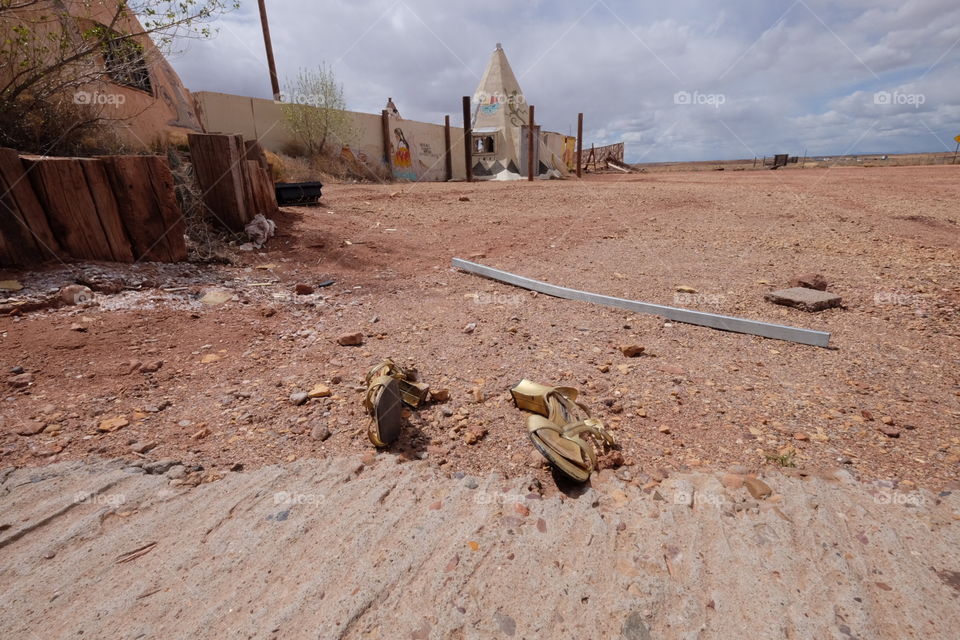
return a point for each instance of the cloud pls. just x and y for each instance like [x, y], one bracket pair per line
[792, 74]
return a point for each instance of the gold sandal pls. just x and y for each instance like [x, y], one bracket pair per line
[388, 388]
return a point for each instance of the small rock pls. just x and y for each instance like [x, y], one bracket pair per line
[610, 460]
[320, 391]
[142, 447]
[758, 488]
[112, 424]
[470, 328]
[21, 381]
[476, 395]
[521, 509]
[302, 289]
[804, 299]
[890, 432]
[886, 420]
[320, 432]
[298, 398]
[802, 437]
[664, 429]
[17, 370]
[439, 395]
[176, 472]
[75, 294]
[475, 435]
[809, 281]
[76, 326]
[350, 340]
[151, 367]
[30, 428]
[632, 350]
[470, 482]
[732, 481]
[604, 368]
[464, 198]
[684, 289]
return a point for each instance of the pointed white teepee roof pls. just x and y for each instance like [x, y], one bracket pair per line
[499, 103]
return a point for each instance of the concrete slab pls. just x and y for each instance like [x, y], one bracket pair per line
[804, 299]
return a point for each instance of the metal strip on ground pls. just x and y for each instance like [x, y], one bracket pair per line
[701, 318]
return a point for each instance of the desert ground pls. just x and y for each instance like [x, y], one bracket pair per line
[193, 370]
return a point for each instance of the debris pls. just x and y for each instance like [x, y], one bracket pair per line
[439, 395]
[76, 326]
[470, 328]
[804, 299]
[350, 339]
[10, 285]
[215, 297]
[701, 318]
[112, 424]
[685, 289]
[631, 351]
[75, 294]
[809, 281]
[320, 391]
[464, 198]
[758, 488]
[303, 289]
[299, 398]
[260, 229]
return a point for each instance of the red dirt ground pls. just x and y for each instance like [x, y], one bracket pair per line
[887, 240]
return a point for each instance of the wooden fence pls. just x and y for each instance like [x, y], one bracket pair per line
[123, 208]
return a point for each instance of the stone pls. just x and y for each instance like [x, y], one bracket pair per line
[350, 340]
[809, 281]
[758, 488]
[475, 435]
[17, 370]
[890, 432]
[632, 350]
[470, 328]
[464, 198]
[142, 447]
[30, 428]
[176, 472]
[151, 367]
[76, 326]
[320, 391]
[215, 297]
[685, 289]
[320, 432]
[159, 467]
[802, 437]
[299, 398]
[886, 420]
[10, 285]
[664, 429]
[75, 294]
[302, 289]
[634, 627]
[20, 381]
[732, 481]
[804, 299]
[439, 395]
[112, 424]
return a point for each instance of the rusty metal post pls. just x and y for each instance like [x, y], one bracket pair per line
[385, 130]
[467, 139]
[274, 80]
[530, 135]
[448, 159]
[580, 145]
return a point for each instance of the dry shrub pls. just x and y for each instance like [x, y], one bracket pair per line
[205, 241]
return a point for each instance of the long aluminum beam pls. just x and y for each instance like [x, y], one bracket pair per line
[703, 319]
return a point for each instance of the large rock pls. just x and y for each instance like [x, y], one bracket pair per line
[804, 299]
[809, 281]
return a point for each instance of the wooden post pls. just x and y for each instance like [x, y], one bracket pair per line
[579, 145]
[385, 132]
[467, 138]
[955, 152]
[25, 234]
[271, 63]
[531, 130]
[448, 159]
[221, 171]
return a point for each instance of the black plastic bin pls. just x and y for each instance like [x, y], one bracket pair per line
[298, 193]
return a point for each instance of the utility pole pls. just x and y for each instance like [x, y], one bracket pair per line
[532, 131]
[467, 139]
[579, 145]
[274, 81]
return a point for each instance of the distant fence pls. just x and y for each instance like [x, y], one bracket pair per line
[598, 156]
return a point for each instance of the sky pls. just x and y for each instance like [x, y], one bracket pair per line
[676, 81]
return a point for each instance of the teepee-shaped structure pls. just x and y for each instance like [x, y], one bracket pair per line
[500, 117]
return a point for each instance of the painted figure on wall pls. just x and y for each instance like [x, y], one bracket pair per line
[402, 158]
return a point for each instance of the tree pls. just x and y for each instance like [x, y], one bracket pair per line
[314, 109]
[52, 49]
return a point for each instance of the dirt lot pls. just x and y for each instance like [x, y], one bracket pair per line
[883, 402]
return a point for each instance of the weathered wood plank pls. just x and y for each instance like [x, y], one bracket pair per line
[61, 187]
[25, 234]
[98, 181]
[724, 323]
[220, 168]
[143, 187]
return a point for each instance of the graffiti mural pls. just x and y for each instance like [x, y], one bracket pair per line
[402, 157]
